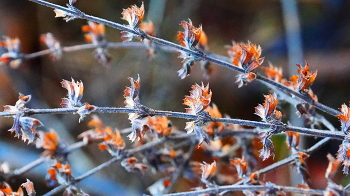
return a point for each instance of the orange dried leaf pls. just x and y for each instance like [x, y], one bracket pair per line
[208, 170]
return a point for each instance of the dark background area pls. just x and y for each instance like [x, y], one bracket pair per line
[325, 30]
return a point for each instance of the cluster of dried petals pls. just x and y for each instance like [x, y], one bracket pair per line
[132, 101]
[75, 94]
[344, 118]
[12, 57]
[268, 111]
[268, 148]
[23, 126]
[208, 170]
[333, 166]
[189, 39]
[29, 186]
[60, 173]
[112, 142]
[198, 101]
[247, 57]
[133, 15]
[48, 141]
[306, 78]
[241, 166]
[161, 124]
[273, 73]
[148, 28]
[131, 165]
[53, 45]
[95, 33]
[5, 189]
[292, 140]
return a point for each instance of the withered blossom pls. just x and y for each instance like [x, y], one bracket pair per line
[197, 102]
[189, 39]
[53, 45]
[23, 126]
[131, 165]
[247, 57]
[12, 57]
[132, 101]
[133, 15]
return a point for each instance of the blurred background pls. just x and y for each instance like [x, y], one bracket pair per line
[318, 31]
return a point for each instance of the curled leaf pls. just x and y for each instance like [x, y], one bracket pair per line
[268, 148]
[305, 78]
[292, 139]
[85, 110]
[60, 172]
[273, 73]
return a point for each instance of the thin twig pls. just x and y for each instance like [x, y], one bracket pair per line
[219, 189]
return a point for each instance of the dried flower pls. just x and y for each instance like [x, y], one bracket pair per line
[160, 124]
[333, 166]
[131, 165]
[305, 78]
[268, 111]
[247, 57]
[198, 101]
[344, 118]
[23, 126]
[208, 171]
[133, 16]
[75, 93]
[53, 45]
[273, 73]
[60, 173]
[132, 101]
[241, 166]
[292, 139]
[29, 186]
[189, 39]
[12, 57]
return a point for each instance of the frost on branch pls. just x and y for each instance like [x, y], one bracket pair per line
[133, 15]
[247, 57]
[269, 114]
[197, 102]
[95, 33]
[53, 45]
[189, 39]
[12, 57]
[132, 101]
[23, 126]
[67, 16]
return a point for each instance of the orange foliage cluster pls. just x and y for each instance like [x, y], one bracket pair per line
[199, 99]
[247, 57]
[12, 56]
[111, 141]
[160, 124]
[268, 111]
[94, 32]
[133, 16]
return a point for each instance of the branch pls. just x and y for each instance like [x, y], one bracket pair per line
[194, 53]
